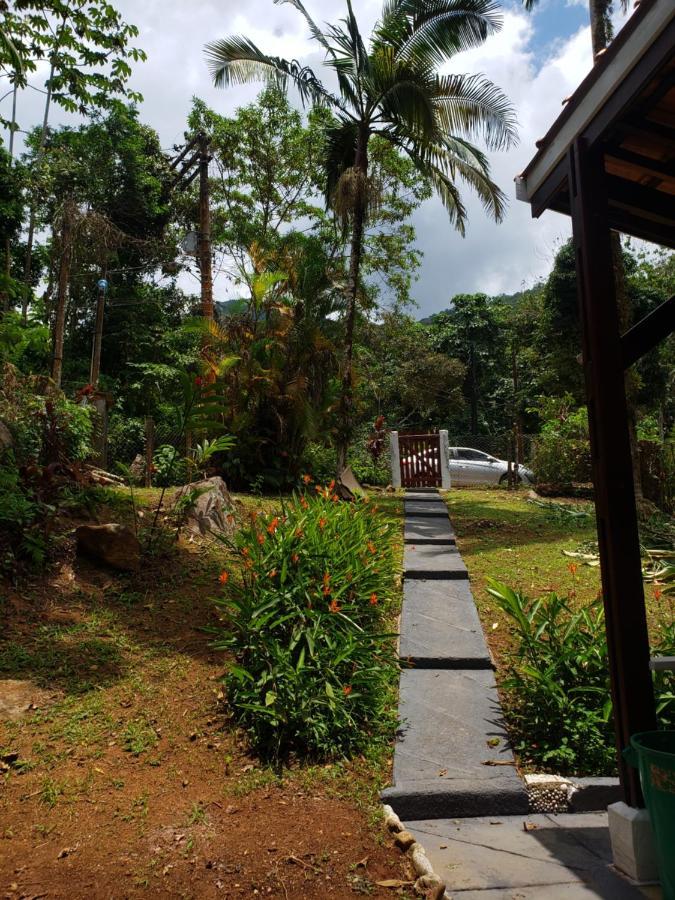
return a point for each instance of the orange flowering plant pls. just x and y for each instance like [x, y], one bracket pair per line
[313, 656]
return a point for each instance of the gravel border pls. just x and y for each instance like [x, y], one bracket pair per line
[427, 882]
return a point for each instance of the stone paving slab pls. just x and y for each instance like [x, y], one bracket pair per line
[448, 718]
[435, 508]
[565, 856]
[428, 561]
[423, 496]
[440, 628]
[428, 530]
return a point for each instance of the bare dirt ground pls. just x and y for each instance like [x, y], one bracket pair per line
[125, 778]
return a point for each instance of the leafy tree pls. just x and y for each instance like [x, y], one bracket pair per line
[86, 48]
[268, 166]
[392, 90]
[470, 331]
[403, 377]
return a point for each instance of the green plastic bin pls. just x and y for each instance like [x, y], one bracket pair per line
[653, 753]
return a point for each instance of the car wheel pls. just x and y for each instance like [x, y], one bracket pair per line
[504, 480]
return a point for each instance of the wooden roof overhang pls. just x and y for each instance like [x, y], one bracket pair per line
[626, 107]
[608, 161]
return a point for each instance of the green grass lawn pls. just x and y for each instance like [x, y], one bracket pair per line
[502, 535]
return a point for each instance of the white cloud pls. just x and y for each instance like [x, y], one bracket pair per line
[491, 258]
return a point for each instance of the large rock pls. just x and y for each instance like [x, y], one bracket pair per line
[211, 513]
[112, 544]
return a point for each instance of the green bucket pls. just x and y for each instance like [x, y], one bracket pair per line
[653, 753]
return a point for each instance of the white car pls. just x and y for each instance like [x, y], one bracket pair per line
[469, 466]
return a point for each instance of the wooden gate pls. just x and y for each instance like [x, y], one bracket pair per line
[420, 456]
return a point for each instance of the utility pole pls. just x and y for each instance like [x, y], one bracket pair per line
[205, 228]
[95, 369]
[193, 166]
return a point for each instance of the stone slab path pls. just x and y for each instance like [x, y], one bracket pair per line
[455, 785]
[452, 758]
[563, 857]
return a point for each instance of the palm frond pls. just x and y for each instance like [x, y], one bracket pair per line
[473, 105]
[431, 31]
[314, 29]
[9, 52]
[237, 60]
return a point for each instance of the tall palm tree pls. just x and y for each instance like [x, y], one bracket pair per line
[600, 14]
[391, 88]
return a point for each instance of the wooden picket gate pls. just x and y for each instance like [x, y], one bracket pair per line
[420, 456]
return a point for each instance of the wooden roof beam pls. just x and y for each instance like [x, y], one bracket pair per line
[648, 332]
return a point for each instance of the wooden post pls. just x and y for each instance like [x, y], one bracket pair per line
[616, 515]
[95, 370]
[205, 230]
[149, 449]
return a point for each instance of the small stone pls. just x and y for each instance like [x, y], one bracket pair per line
[404, 840]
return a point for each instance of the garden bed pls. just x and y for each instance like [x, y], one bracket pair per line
[536, 580]
[130, 779]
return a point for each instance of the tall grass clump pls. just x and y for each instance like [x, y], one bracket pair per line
[558, 706]
[305, 616]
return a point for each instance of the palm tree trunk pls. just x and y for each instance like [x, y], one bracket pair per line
[346, 414]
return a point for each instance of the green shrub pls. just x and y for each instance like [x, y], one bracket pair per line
[169, 466]
[305, 618]
[562, 452]
[561, 460]
[558, 707]
[321, 461]
[126, 438]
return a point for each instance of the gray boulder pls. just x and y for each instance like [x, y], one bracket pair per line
[211, 512]
[115, 545]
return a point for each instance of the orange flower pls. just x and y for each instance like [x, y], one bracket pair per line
[331, 486]
[224, 577]
[299, 533]
[657, 593]
[307, 479]
[334, 606]
[303, 503]
[326, 591]
[323, 523]
[373, 599]
[318, 489]
[245, 551]
[261, 538]
[573, 568]
[272, 573]
[295, 559]
[254, 516]
[335, 498]
[347, 689]
[274, 524]
[372, 548]
[326, 579]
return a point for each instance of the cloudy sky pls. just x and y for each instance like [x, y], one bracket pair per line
[537, 59]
